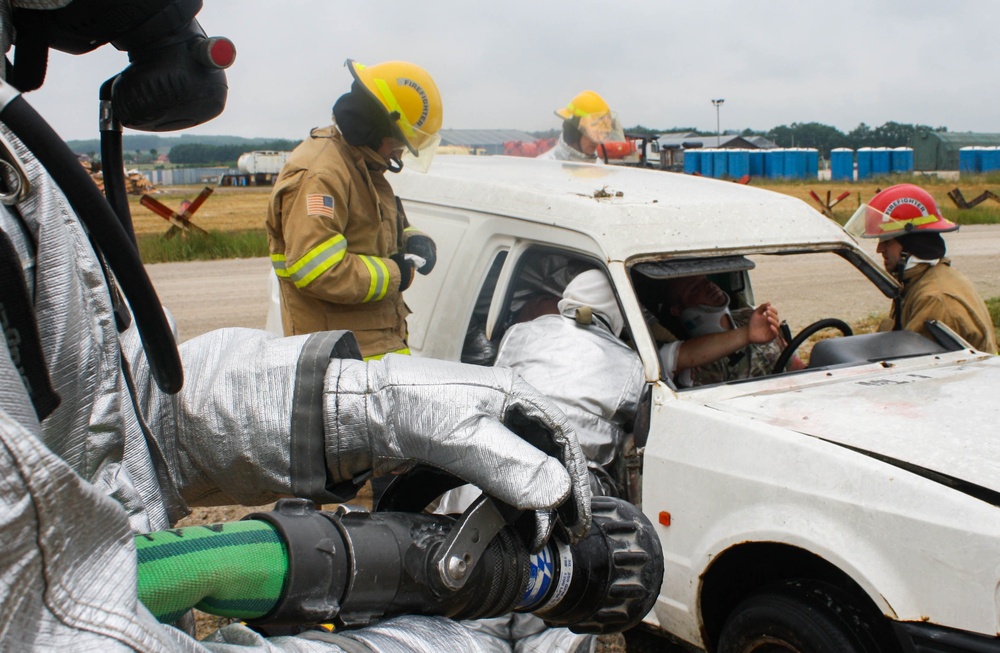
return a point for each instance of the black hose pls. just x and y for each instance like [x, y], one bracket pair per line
[107, 232]
[112, 161]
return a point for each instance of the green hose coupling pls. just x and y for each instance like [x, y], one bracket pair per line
[318, 564]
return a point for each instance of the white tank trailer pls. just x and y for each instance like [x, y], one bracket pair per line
[258, 168]
[261, 162]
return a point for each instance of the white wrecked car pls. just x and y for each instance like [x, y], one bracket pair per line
[851, 506]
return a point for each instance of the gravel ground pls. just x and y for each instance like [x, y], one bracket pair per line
[206, 295]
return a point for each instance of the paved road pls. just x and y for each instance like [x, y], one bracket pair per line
[207, 295]
[808, 288]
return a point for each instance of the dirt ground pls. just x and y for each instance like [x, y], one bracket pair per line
[206, 295]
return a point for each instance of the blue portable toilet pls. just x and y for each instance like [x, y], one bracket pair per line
[774, 163]
[970, 160]
[720, 163]
[706, 163]
[795, 163]
[990, 159]
[692, 162]
[864, 163]
[901, 160]
[739, 163]
[756, 163]
[842, 164]
[790, 158]
[812, 163]
[881, 161]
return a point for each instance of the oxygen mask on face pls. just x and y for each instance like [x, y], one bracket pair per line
[701, 320]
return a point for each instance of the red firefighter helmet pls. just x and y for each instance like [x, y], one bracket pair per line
[896, 211]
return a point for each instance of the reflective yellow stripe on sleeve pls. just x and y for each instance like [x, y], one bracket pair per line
[278, 263]
[315, 262]
[379, 273]
[378, 357]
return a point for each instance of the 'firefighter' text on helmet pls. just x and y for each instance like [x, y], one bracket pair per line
[896, 211]
[597, 121]
[411, 98]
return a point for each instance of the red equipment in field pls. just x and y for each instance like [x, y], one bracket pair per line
[180, 222]
[829, 204]
[520, 148]
[616, 150]
[528, 148]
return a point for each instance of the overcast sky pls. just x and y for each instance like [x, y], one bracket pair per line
[658, 63]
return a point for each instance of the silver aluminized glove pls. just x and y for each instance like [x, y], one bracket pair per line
[482, 424]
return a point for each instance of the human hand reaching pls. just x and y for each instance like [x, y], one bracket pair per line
[764, 324]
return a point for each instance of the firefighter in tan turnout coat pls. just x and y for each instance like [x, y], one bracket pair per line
[340, 244]
[908, 224]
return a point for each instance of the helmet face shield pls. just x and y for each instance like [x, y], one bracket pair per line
[866, 223]
[896, 211]
[421, 159]
[602, 127]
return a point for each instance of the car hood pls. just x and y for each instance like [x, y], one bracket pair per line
[938, 420]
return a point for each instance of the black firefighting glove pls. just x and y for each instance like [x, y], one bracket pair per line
[424, 247]
[405, 270]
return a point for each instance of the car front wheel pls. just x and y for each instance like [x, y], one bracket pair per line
[800, 616]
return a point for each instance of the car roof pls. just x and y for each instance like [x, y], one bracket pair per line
[628, 211]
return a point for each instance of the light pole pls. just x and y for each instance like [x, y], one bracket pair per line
[718, 132]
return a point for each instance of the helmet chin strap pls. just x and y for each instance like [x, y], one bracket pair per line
[395, 164]
[897, 301]
[904, 258]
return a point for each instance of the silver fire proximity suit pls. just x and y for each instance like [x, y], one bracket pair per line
[594, 377]
[597, 381]
[563, 151]
[258, 417]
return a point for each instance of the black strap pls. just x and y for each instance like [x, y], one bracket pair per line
[307, 457]
[31, 57]
[17, 319]
[897, 300]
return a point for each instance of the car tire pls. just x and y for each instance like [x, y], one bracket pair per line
[800, 616]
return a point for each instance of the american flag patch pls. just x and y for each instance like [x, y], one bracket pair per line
[319, 205]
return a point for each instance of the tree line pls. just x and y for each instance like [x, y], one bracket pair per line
[799, 134]
[823, 137]
[227, 155]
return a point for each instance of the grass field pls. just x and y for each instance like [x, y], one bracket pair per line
[236, 209]
[227, 209]
[987, 212]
